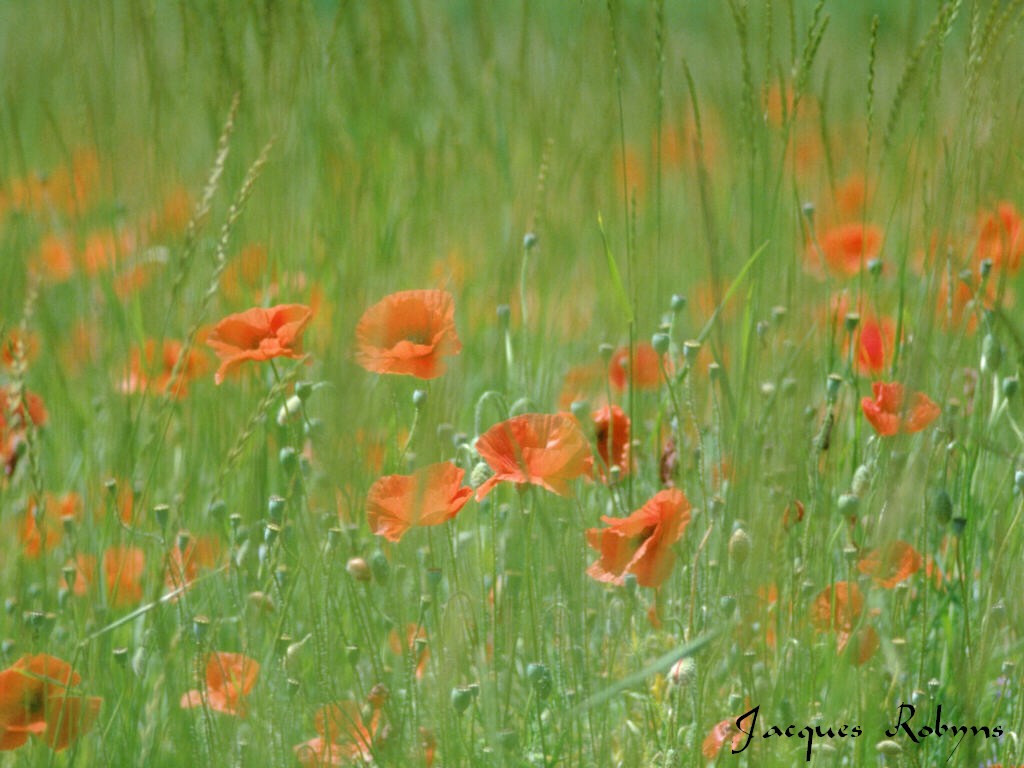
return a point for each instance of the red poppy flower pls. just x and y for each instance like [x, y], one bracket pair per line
[719, 735]
[888, 415]
[646, 371]
[430, 496]
[611, 433]
[259, 334]
[343, 739]
[41, 534]
[837, 608]
[846, 248]
[34, 699]
[876, 340]
[410, 333]
[229, 679]
[147, 371]
[547, 450]
[1001, 237]
[891, 564]
[641, 544]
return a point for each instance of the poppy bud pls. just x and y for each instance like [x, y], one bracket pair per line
[739, 546]
[933, 686]
[861, 481]
[303, 389]
[289, 459]
[380, 567]
[461, 698]
[661, 343]
[888, 747]
[289, 411]
[480, 474]
[940, 506]
[985, 268]
[832, 385]
[419, 398]
[875, 267]
[606, 351]
[778, 313]
[678, 303]
[727, 604]
[216, 511]
[529, 240]
[579, 409]
[1010, 386]
[991, 354]
[433, 577]
[291, 654]
[121, 656]
[683, 672]
[358, 569]
[808, 211]
[959, 524]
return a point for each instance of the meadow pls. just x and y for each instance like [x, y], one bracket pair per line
[626, 383]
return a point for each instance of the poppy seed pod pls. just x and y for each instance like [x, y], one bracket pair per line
[461, 698]
[940, 506]
[540, 678]
[661, 343]
[739, 546]
[380, 567]
[678, 303]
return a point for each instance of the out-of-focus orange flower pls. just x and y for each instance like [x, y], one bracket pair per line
[343, 739]
[175, 213]
[429, 746]
[888, 414]
[891, 564]
[430, 496]
[547, 450]
[56, 259]
[963, 307]
[105, 249]
[409, 333]
[722, 732]
[246, 272]
[182, 567]
[1001, 237]
[35, 699]
[629, 169]
[415, 641]
[645, 369]
[83, 575]
[611, 434]
[845, 249]
[40, 533]
[851, 196]
[149, 372]
[641, 544]
[582, 383]
[122, 570]
[229, 679]
[259, 334]
[838, 608]
[9, 346]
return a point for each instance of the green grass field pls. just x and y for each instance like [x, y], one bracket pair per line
[511, 384]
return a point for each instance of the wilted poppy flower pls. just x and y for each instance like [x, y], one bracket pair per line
[409, 333]
[891, 564]
[611, 434]
[888, 414]
[645, 369]
[148, 372]
[1001, 237]
[719, 735]
[343, 739]
[34, 699]
[641, 544]
[429, 496]
[547, 450]
[122, 569]
[846, 249]
[259, 334]
[229, 679]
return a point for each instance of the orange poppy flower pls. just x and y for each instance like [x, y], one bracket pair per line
[343, 739]
[845, 248]
[611, 433]
[887, 413]
[34, 700]
[719, 735]
[259, 334]
[229, 679]
[147, 372]
[84, 575]
[122, 569]
[891, 564]
[429, 496]
[38, 538]
[646, 372]
[641, 544]
[838, 607]
[1001, 237]
[547, 450]
[409, 333]
[876, 341]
